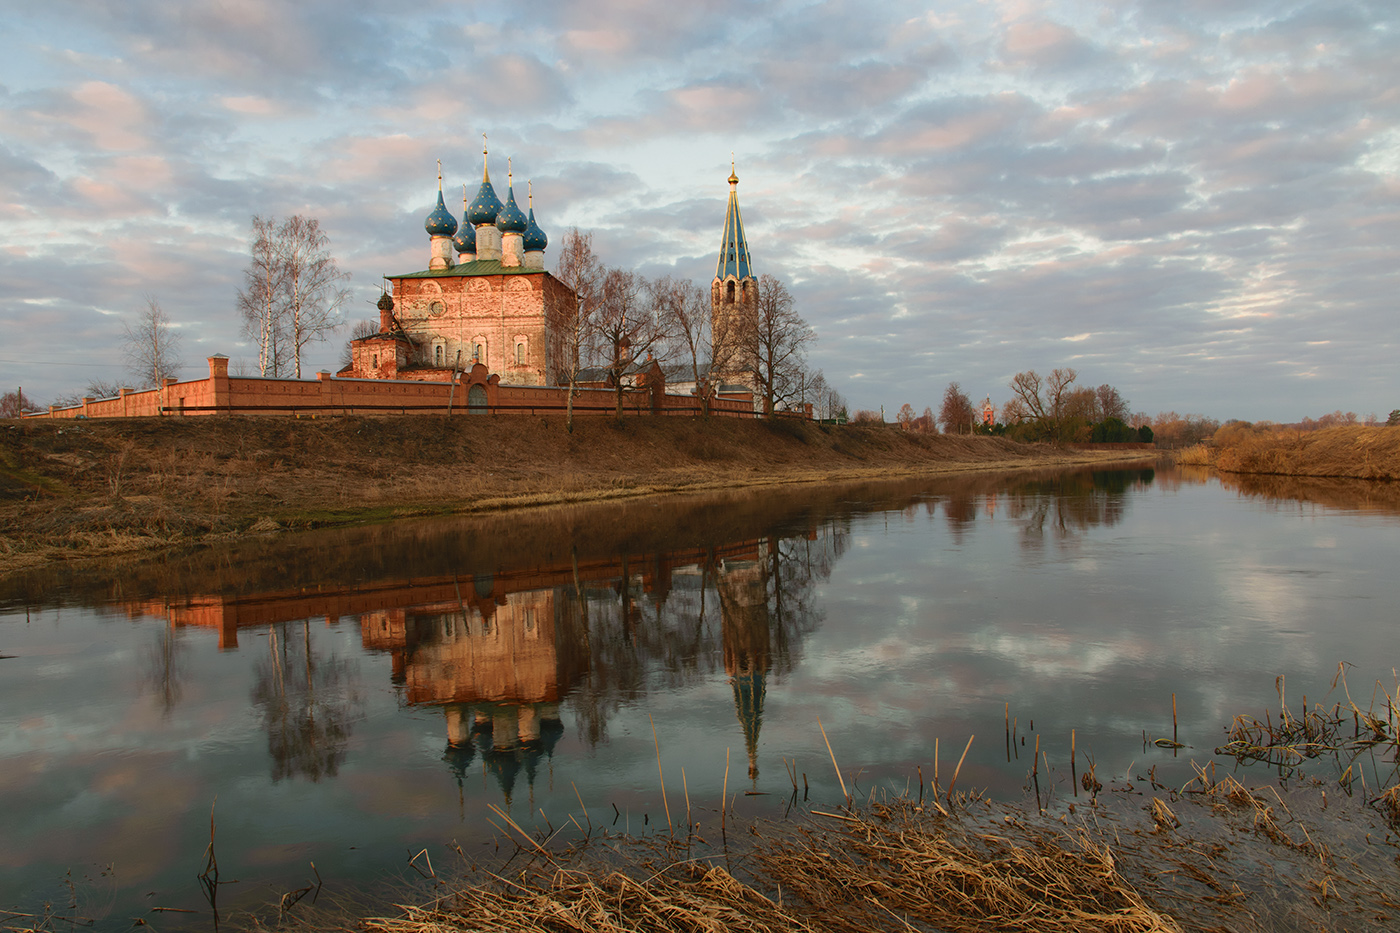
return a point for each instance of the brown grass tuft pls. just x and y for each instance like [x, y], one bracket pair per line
[1347, 450]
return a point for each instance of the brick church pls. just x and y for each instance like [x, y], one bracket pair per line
[493, 303]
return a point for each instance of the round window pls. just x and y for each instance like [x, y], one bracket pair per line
[436, 308]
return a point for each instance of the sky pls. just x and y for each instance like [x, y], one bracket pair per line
[1195, 202]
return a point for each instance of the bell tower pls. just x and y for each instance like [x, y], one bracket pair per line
[734, 291]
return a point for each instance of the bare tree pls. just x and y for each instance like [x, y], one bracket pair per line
[627, 328]
[311, 284]
[13, 404]
[292, 292]
[956, 414]
[1111, 404]
[1043, 404]
[778, 346]
[260, 300]
[151, 348]
[581, 271]
[684, 310]
[906, 416]
[361, 330]
[835, 404]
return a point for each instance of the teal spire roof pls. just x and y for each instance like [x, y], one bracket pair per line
[465, 240]
[486, 206]
[511, 219]
[440, 222]
[535, 240]
[734, 248]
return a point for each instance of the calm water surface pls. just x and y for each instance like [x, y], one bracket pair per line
[354, 698]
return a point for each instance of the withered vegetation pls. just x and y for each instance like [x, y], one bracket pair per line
[1354, 451]
[79, 489]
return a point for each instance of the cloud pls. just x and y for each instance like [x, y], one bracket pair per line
[1194, 192]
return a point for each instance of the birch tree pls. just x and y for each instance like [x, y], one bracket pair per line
[312, 278]
[151, 348]
[260, 299]
[292, 294]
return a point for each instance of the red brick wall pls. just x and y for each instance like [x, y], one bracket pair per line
[221, 393]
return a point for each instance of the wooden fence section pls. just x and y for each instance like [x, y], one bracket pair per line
[475, 392]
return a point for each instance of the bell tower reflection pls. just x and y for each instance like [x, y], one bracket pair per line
[742, 585]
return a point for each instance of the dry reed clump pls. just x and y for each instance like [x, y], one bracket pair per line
[700, 900]
[1199, 455]
[892, 868]
[1350, 450]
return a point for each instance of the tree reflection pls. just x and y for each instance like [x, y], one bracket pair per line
[1064, 506]
[163, 674]
[309, 705]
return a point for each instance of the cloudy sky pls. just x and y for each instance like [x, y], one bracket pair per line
[1197, 202]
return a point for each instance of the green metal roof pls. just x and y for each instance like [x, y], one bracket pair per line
[476, 267]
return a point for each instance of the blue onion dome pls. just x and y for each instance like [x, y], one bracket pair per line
[440, 222]
[511, 219]
[465, 240]
[534, 236]
[486, 206]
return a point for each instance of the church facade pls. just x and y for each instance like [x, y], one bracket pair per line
[485, 299]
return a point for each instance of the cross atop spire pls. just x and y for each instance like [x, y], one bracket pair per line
[485, 172]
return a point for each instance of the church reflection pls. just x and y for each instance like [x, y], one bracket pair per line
[505, 655]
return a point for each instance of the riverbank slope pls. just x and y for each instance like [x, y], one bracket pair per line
[96, 488]
[1352, 451]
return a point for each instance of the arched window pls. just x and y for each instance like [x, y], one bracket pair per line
[729, 290]
[477, 353]
[520, 354]
[437, 355]
[376, 361]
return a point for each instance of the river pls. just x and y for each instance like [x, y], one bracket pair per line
[379, 700]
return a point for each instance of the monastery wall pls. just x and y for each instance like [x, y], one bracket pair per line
[479, 391]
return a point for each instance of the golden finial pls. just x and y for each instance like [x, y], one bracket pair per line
[464, 197]
[485, 171]
[530, 192]
[439, 176]
[510, 175]
[733, 177]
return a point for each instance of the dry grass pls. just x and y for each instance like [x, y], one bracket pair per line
[1199, 455]
[889, 868]
[110, 487]
[1345, 451]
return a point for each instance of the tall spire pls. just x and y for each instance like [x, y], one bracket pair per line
[734, 248]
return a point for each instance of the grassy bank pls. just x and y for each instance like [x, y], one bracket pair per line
[1353, 451]
[81, 489]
